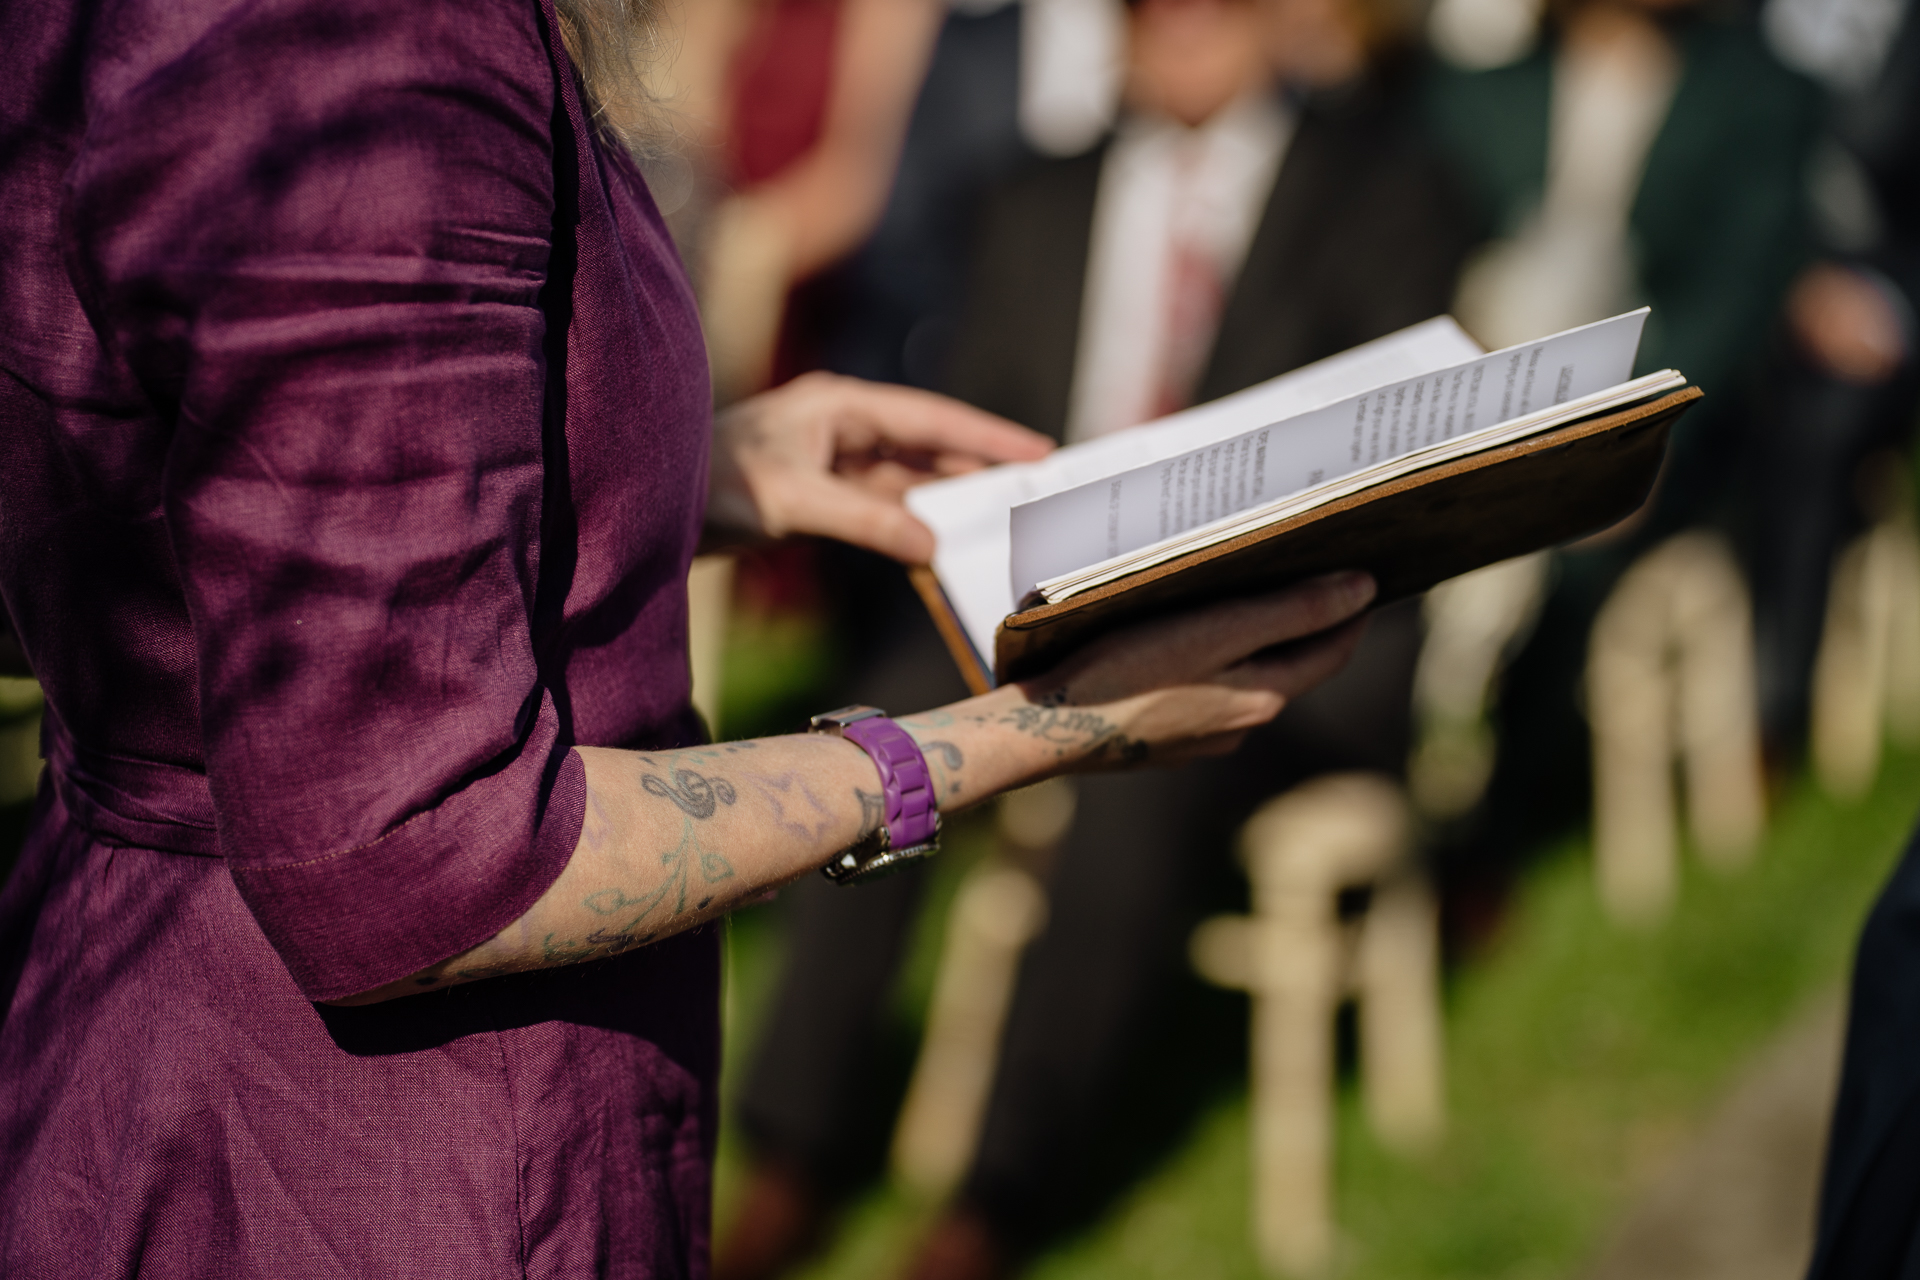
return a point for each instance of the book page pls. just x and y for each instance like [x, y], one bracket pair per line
[1116, 514]
[969, 514]
[1652, 386]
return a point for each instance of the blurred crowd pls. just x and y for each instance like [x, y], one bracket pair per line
[1083, 215]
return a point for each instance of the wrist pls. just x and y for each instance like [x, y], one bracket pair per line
[901, 822]
[1003, 740]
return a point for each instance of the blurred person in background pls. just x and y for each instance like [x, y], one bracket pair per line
[844, 145]
[1844, 385]
[856, 139]
[1266, 200]
[797, 110]
[1847, 388]
[1004, 84]
[790, 117]
[842, 148]
[1643, 151]
[1229, 231]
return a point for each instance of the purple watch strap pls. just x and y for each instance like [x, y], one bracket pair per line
[913, 813]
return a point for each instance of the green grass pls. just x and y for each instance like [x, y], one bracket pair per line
[774, 662]
[1580, 1055]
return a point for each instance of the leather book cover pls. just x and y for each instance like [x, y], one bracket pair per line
[1410, 533]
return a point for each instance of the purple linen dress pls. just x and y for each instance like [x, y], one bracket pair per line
[353, 417]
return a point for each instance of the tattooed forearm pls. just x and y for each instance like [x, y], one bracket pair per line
[636, 918]
[944, 759]
[680, 864]
[693, 870]
[670, 839]
[796, 810]
[696, 795]
[946, 752]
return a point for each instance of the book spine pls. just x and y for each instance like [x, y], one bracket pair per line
[972, 669]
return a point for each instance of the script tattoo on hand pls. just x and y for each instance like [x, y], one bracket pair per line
[1070, 729]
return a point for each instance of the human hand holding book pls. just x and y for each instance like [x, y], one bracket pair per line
[1416, 457]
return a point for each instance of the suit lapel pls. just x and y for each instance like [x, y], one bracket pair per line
[1064, 237]
[1255, 340]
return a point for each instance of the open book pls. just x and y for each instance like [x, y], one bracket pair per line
[1416, 457]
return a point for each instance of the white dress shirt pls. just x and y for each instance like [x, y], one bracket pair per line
[1161, 183]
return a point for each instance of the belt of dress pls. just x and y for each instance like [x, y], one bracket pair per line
[121, 800]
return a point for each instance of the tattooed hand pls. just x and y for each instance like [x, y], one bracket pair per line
[1194, 684]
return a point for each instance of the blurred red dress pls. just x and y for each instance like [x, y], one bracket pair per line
[355, 420]
[780, 83]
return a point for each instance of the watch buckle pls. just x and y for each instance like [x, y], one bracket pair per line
[875, 856]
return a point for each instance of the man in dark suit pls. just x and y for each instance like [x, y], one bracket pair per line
[1226, 233]
[1354, 234]
[1712, 234]
[1854, 390]
[1846, 383]
[1358, 236]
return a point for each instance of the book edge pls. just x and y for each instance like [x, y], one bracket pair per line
[1447, 450]
[973, 669]
[1615, 420]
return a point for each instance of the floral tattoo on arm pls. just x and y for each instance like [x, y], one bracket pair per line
[692, 867]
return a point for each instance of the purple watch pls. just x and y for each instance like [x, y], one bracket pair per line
[910, 826]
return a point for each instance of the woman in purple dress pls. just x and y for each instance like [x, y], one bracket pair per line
[356, 435]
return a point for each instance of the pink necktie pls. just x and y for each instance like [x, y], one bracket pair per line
[1191, 305]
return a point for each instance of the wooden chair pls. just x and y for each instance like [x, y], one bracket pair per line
[1670, 672]
[1867, 676]
[1000, 906]
[1301, 961]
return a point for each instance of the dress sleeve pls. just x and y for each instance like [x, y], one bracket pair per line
[317, 232]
